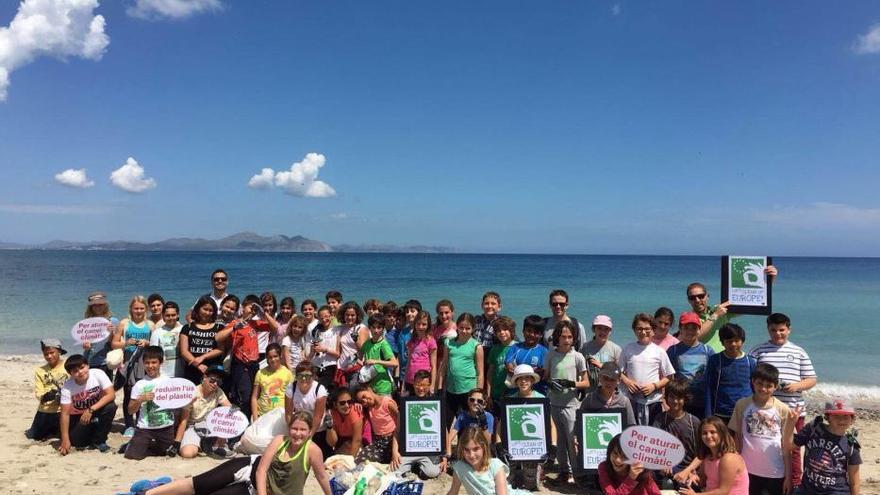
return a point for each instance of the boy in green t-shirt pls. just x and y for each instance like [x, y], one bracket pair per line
[378, 354]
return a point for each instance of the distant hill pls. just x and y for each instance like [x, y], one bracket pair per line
[242, 241]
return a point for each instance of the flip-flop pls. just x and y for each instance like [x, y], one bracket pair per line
[144, 485]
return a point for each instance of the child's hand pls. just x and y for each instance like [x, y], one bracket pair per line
[64, 448]
[595, 362]
[791, 387]
[395, 460]
[647, 389]
[146, 397]
[87, 345]
[795, 412]
[786, 485]
[635, 470]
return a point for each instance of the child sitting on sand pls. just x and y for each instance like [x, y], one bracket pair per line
[87, 407]
[48, 380]
[618, 476]
[477, 470]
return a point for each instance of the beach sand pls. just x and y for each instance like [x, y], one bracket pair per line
[28, 467]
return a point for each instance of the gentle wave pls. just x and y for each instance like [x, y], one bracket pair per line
[865, 396]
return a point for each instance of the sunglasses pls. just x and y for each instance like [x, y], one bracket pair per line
[304, 376]
[694, 297]
[343, 402]
[215, 381]
[474, 400]
[558, 304]
[220, 279]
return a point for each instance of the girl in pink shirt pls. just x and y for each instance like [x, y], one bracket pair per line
[724, 471]
[383, 415]
[422, 352]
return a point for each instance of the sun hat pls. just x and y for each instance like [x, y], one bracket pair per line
[689, 317]
[97, 297]
[520, 371]
[217, 370]
[602, 320]
[839, 405]
[610, 370]
[53, 343]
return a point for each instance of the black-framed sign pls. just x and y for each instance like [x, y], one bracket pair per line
[745, 285]
[594, 429]
[525, 428]
[422, 431]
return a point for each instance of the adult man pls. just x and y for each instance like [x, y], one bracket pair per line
[219, 283]
[714, 317]
[559, 308]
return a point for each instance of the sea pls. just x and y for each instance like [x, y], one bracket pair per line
[832, 301]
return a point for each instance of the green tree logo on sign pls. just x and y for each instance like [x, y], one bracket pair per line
[599, 429]
[747, 273]
[525, 422]
[423, 418]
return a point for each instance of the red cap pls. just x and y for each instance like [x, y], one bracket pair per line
[689, 317]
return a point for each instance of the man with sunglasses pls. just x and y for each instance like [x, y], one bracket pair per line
[219, 284]
[559, 308]
[714, 317]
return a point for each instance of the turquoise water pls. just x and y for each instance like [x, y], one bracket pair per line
[830, 300]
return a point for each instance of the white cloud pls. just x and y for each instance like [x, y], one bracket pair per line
[173, 9]
[130, 177]
[301, 179]
[264, 180]
[56, 28]
[74, 178]
[32, 209]
[869, 42]
[615, 9]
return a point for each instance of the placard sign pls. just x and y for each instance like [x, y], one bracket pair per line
[225, 422]
[92, 330]
[526, 428]
[745, 285]
[653, 447]
[173, 393]
[422, 431]
[595, 429]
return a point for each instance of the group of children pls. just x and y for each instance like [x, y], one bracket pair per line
[346, 375]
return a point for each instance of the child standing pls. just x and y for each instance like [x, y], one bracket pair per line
[728, 373]
[270, 383]
[618, 476]
[689, 358]
[309, 311]
[566, 371]
[480, 473]
[484, 324]
[430, 467]
[607, 395]
[462, 368]
[645, 370]
[530, 351]
[524, 474]
[600, 349]
[154, 433]
[763, 434]
[663, 319]
[48, 380]
[378, 354]
[132, 336]
[496, 375]
[406, 322]
[295, 346]
[167, 336]
[678, 422]
[325, 347]
[353, 334]
[421, 352]
[832, 455]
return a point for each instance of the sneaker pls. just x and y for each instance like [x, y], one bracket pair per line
[129, 432]
[144, 485]
[101, 447]
[29, 434]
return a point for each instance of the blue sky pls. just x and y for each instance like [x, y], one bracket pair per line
[559, 126]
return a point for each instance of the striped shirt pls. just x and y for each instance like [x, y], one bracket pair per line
[793, 364]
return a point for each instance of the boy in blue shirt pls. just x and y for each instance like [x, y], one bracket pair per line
[689, 358]
[529, 351]
[728, 373]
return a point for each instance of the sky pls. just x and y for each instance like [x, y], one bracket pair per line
[606, 127]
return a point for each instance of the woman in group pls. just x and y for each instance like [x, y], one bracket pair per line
[724, 470]
[352, 336]
[96, 353]
[306, 394]
[347, 433]
[198, 341]
[132, 335]
[281, 469]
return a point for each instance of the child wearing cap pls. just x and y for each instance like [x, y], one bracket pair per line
[832, 455]
[209, 396]
[607, 395]
[689, 357]
[48, 380]
[600, 349]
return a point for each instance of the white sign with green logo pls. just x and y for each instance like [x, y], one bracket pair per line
[526, 431]
[747, 283]
[423, 427]
[596, 431]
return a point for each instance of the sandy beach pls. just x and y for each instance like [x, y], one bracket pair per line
[28, 467]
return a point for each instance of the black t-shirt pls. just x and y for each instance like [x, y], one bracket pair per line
[202, 341]
[685, 428]
[826, 458]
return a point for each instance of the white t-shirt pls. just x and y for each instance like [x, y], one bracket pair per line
[305, 401]
[328, 339]
[761, 429]
[149, 417]
[82, 397]
[167, 338]
[644, 364]
[348, 347]
[297, 349]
